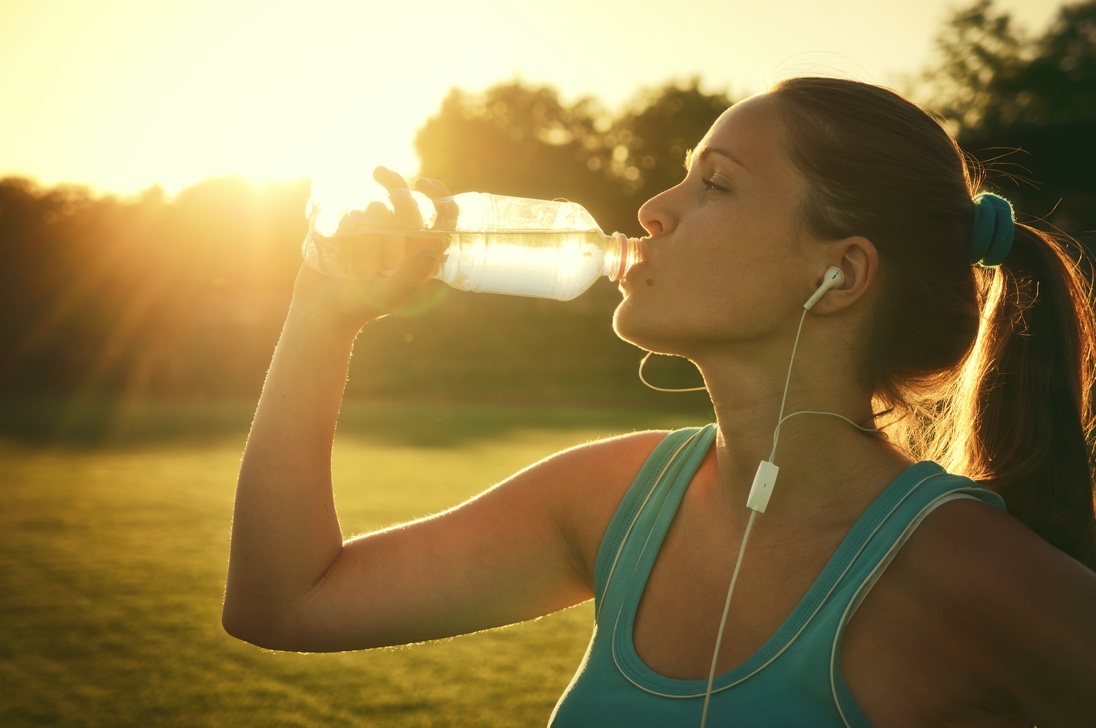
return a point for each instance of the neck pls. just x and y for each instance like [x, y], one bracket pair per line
[827, 465]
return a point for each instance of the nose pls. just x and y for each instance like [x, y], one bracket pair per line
[655, 215]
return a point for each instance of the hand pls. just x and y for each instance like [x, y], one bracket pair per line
[393, 266]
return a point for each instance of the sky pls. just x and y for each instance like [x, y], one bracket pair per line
[121, 95]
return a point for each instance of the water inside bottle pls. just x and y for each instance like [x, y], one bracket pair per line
[539, 263]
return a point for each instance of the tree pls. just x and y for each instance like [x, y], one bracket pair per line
[524, 141]
[183, 297]
[649, 142]
[516, 140]
[978, 45]
[1025, 108]
[1054, 82]
[144, 296]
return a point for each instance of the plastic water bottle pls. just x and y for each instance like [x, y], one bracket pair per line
[512, 245]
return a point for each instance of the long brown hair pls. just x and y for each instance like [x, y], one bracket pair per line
[987, 370]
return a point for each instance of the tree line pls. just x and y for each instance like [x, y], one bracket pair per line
[184, 297]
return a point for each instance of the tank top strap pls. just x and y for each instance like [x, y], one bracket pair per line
[864, 556]
[635, 533]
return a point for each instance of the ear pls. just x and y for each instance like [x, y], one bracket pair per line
[858, 259]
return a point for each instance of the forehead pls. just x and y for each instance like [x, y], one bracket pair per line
[752, 131]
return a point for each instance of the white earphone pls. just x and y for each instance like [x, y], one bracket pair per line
[834, 277]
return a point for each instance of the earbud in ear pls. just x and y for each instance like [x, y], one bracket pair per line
[833, 278]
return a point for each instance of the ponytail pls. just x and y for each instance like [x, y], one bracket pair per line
[1021, 419]
[981, 355]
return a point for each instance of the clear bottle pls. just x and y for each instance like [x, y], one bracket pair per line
[512, 245]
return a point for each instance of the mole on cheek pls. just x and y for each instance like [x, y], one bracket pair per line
[649, 282]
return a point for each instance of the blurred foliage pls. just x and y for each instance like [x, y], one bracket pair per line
[1025, 107]
[522, 141]
[184, 298]
[151, 297]
[144, 295]
[976, 46]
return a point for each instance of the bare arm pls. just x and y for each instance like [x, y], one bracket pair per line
[1045, 631]
[285, 532]
[1022, 612]
[522, 549]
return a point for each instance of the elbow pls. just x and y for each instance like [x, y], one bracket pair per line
[255, 626]
[266, 627]
[239, 624]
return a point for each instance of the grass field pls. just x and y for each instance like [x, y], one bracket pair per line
[113, 557]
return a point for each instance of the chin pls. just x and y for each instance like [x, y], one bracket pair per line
[630, 326]
[622, 322]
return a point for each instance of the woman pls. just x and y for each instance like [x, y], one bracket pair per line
[873, 589]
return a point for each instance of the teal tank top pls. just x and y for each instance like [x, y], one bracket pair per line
[795, 678]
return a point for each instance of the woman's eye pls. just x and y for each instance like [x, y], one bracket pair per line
[711, 184]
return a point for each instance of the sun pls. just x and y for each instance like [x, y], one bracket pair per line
[344, 116]
[357, 110]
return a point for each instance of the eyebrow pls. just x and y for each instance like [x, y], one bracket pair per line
[706, 152]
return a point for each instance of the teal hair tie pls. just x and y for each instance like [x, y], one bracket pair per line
[993, 230]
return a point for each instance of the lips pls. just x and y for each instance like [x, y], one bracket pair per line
[635, 274]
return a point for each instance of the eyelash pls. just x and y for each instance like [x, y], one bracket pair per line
[710, 185]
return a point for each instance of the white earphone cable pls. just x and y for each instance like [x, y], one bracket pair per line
[746, 534]
[787, 383]
[782, 418]
[723, 619]
[643, 363]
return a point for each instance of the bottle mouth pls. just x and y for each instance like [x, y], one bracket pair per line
[628, 255]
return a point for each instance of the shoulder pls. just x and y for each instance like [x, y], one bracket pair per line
[1014, 610]
[599, 468]
[630, 449]
[967, 547]
[597, 474]
[584, 485]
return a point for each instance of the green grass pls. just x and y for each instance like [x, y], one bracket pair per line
[113, 561]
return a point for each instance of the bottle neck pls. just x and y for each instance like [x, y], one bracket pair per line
[621, 254]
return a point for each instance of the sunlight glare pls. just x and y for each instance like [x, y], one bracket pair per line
[264, 90]
[359, 111]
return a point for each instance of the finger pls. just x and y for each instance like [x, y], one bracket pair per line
[446, 206]
[388, 179]
[351, 221]
[375, 215]
[407, 211]
[432, 187]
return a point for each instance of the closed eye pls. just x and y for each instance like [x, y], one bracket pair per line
[709, 183]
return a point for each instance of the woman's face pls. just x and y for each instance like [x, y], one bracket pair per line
[726, 259]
